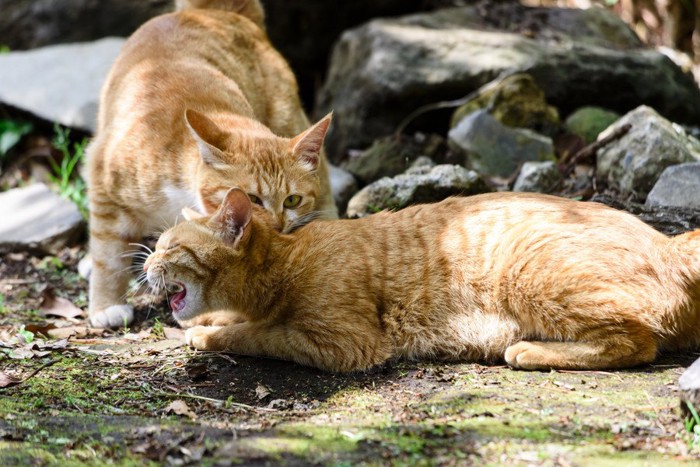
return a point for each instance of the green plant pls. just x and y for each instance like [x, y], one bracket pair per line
[11, 131]
[28, 336]
[4, 49]
[70, 185]
[692, 424]
[158, 329]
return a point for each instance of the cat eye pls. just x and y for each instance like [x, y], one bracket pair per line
[255, 200]
[292, 201]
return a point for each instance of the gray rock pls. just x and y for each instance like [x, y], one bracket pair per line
[538, 177]
[679, 185]
[494, 149]
[666, 219]
[36, 219]
[384, 70]
[588, 122]
[59, 83]
[420, 184]
[633, 163]
[689, 385]
[343, 186]
[392, 155]
[26, 24]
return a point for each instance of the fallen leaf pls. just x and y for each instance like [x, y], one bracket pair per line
[180, 407]
[37, 329]
[59, 306]
[261, 392]
[7, 381]
[174, 333]
[144, 334]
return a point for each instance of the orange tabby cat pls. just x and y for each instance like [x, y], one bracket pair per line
[197, 102]
[539, 281]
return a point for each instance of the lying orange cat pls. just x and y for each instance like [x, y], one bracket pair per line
[539, 281]
[198, 101]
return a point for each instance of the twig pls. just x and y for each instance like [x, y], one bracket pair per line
[588, 151]
[450, 104]
[215, 401]
[33, 373]
[595, 372]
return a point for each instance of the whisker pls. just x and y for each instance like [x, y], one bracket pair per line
[142, 246]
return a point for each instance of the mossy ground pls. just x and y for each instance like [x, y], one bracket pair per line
[109, 399]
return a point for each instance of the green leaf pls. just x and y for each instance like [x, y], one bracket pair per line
[11, 131]
[28, 336]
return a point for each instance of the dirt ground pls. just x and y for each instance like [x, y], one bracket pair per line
[75, 396]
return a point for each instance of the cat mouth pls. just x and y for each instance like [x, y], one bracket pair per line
[178, 292]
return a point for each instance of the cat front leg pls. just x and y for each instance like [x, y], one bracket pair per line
[336, 353]
[109, 279]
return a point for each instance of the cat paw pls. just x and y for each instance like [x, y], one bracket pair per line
[112, 317]
[200, 337]
[526, 356]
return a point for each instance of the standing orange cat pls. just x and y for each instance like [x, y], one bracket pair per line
[198, 101]
[539, 281]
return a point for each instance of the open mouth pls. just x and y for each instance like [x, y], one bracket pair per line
[177, 293]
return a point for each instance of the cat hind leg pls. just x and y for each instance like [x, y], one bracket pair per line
[614, 353]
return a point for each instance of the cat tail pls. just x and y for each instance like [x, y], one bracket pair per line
[251, 9]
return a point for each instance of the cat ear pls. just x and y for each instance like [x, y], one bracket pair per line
[233, 216]
[209, 137]
[307, 145]
[190, 214]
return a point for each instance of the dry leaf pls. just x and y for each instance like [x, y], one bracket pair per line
[174, 333]
[59, 306]
[7, 381]
[37, 329]
[180, 407]
[262, 392]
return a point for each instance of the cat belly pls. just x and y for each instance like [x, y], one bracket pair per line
[470, 337]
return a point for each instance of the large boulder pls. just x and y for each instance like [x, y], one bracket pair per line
[59, 83]
[27, 24]
[386, 69]
[36, 219]
[632, 164]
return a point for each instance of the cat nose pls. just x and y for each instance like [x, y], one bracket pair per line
[146, 264]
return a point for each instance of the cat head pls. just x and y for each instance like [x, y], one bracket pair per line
[279, 174]
[202, 263]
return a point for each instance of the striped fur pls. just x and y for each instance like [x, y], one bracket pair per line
[197, 102]
[539, 281]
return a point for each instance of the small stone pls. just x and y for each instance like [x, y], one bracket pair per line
[418, 185]
[679, 185]
[689, 385]
[494, 149]
[37, 220]
[589, 122]
[538, 177]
